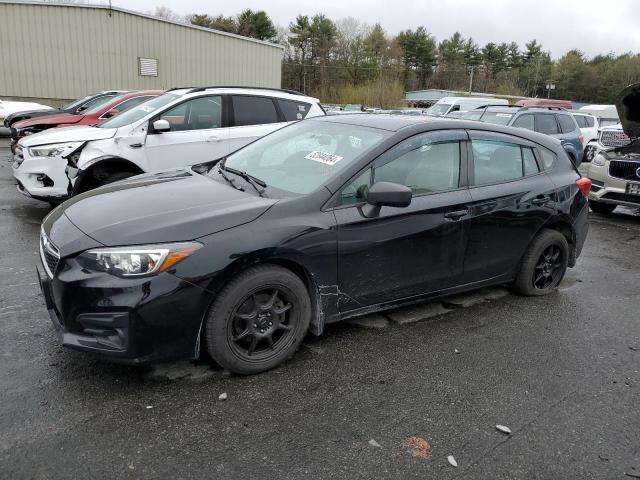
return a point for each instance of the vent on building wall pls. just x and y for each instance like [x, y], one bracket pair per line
[148, 67]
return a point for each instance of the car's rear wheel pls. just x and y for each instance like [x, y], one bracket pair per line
[259, 320]
[543, 265]
[603, 208]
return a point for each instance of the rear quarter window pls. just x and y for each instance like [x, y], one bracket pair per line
[549, 158]
[567, 124]
[293, 110]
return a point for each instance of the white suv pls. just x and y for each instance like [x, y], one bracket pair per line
[184, 126]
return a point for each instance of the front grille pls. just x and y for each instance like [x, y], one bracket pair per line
[624, 169]
[49, 254]
[614, 138]
[622, 197]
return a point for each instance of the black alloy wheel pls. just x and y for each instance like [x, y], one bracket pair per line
[543, 265]
[258, 320]
[261, 324]
[549, 268]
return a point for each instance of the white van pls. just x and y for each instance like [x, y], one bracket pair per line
[462, 104]
[606, 115]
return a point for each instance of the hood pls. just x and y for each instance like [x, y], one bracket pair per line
[172, 206]
[50, 120]
[8, 107]
[628, 106]
[35, 113]
[67, 134]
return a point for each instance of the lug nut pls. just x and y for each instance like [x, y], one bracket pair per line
[270, 323]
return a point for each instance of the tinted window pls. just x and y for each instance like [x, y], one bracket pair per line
[524, 121]
[567, 124]
[356, 191]
[546, 123]
[581, 120]
[548, 158]
[530, 166]
[495, 161]
[421, 165]
[293, 110]
[201, 113]
[589, 121]
[301, 157]
[253, 110]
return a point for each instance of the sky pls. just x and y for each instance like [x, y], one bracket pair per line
[592, 26]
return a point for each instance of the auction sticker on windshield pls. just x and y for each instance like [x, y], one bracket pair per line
[323, 157]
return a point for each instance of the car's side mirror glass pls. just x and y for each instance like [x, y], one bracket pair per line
[81, 108]
[386, 194]
[161, 126]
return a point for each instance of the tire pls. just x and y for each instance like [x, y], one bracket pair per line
[114, 177]
[601, 208]
[589, 153]
[543, 265]
[257, 305]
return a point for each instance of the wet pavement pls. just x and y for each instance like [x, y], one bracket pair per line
[391, 396]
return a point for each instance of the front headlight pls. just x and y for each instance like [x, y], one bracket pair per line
[54, 149]
[599, 160]
[138, 261]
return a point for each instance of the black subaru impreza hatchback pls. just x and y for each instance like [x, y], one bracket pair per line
[328, 218]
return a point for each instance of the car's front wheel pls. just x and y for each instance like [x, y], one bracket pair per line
[259, 320]
[543, 265]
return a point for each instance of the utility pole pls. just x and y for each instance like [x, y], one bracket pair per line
[471, 79]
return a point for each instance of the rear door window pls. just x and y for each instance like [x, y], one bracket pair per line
[580, 120]
[497, 161]
[524, 121]
[293, 110]
[567, 125]
[546, 123]
[249, 110]
[589, 121]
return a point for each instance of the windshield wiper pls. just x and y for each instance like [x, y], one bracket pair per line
[255, 182]
[229, 180]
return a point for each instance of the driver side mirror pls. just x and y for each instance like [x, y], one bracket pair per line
[161, 126]
[386, 194]
[81, 109]
[111, 113]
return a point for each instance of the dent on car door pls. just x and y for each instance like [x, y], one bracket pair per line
[405, 252]
[251, 117]
[512, 198]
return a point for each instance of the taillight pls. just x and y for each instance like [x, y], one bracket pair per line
[581, 137]
[584, 185]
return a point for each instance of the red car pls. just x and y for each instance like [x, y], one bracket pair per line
[110, 107]
[544, 102]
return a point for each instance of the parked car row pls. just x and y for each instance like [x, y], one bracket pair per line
[183, 126]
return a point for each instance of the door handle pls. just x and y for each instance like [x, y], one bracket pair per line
[540, 200]
[214, 139]
[457, 215]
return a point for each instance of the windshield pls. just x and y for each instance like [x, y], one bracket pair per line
[438, 109]
[134, 114]
[497, 118]
[301, 157]
[96, 107]
[76, 103]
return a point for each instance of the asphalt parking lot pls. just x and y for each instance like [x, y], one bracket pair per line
[388, 397]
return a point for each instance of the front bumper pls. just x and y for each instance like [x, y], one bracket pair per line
[41, 177]
[131, 321]
[609, 189]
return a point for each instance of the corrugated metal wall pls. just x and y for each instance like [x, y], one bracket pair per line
[65, 52]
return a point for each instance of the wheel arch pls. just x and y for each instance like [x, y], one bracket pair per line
[100, 167]
[565, 227]
[266, 257]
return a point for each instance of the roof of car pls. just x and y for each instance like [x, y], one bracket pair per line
[395, 123]
[382, 121]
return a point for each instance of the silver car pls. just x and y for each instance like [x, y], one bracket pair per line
[615, 169]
